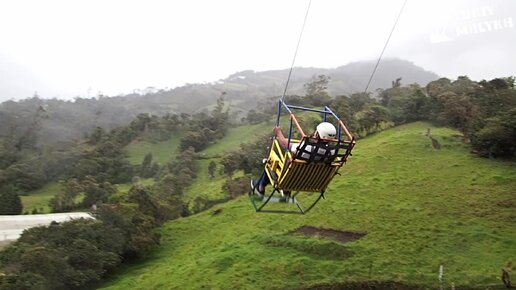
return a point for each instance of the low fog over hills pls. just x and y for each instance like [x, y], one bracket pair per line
[65, 120]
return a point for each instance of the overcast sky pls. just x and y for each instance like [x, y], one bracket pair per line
[74, 48]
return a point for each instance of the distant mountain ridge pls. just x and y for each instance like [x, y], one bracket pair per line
[66, 120]
[248, 87]
[346, 79]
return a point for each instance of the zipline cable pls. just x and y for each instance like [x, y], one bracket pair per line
[297, 47]
[385, 46]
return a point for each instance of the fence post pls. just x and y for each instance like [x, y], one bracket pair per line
[441, 274]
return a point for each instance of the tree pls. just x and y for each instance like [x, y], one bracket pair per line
[65, 255]
[249, 158]
[230, 163]
[359, 101]
[254, 117]
[407, 104]
[219, 118]
[497, 137]
[65, 199]
[494, 97]
[96, 192]
[145, 170]
[458, 111]
[169, 197]
[463, 85]
[236, 187]
[86, 167]
[341, 106]
[96, 136]
[143, 197]
[438, 87]
[10, 202]
[316, 93]
[48, 263]
[140, 123]
[371, 118]
[8, 155]
[396, 83]
[183, 169]
[212, 167]
[194, 139]
[29, 138]
[25, 176]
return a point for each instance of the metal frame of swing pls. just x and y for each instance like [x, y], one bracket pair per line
[290, 172]
[350, 140]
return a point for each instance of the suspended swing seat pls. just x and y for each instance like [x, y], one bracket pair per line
[309, 170]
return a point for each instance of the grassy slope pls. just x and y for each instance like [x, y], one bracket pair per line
[38, 199]
[212, 188]
[419, 207]
[162, 152]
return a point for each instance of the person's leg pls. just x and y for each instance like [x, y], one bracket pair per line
[262, 182]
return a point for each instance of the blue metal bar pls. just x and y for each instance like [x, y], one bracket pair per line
[304, 109]
[331, 112]
[279, 112]
[287, 107]
[339, 133]
[324, 114]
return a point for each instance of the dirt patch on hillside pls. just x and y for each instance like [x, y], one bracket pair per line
[341, 236]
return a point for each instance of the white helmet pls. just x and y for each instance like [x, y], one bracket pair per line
[326, 130]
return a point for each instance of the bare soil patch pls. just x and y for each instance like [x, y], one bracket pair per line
[341, 236]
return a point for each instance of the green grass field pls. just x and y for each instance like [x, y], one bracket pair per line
[212, 187]
[38, 199]
[418, 207]
[162, 152]
[125, 187]
[236, 136]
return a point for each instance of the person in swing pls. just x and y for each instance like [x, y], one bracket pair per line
[324, 130]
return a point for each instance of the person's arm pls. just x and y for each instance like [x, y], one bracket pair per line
[280, 137]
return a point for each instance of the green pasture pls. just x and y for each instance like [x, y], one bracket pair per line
[38, 199]
[418, 208]
[236, 136]
[162, 152]
[209, 187]
[125, 187]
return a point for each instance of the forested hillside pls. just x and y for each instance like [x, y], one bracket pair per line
[57, 120]
[217, 154]
[484, 112]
